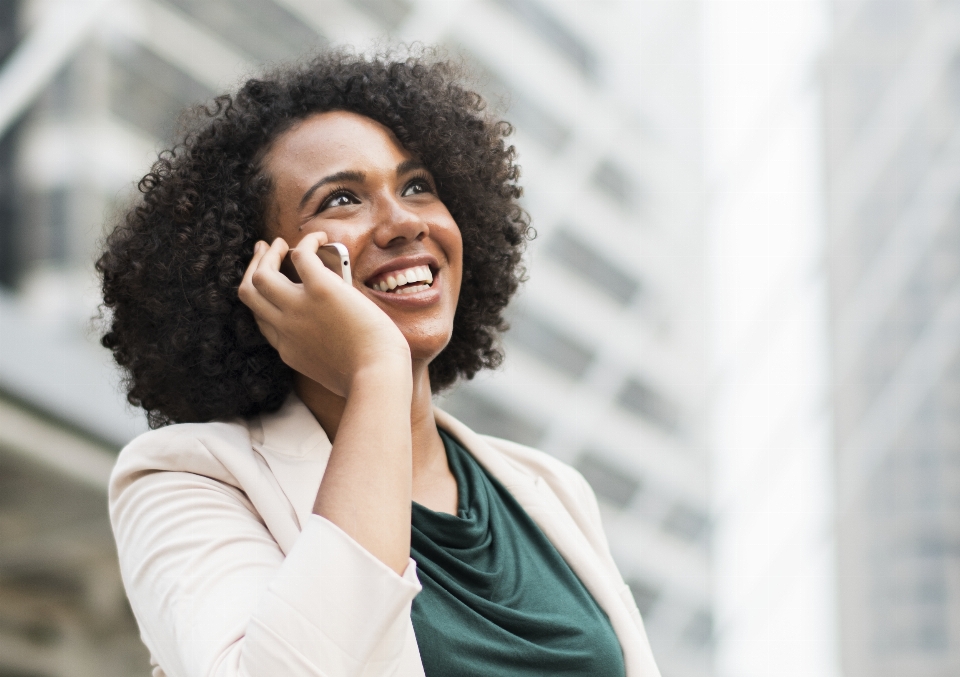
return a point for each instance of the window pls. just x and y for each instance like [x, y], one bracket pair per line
[593, 266]
[533, 119]
[60, 97]
[261, 28]
[57, 210]
[951, 83]
[611, 483]
[48, 219]
[492, 418]
[523, 111]
[551, 345]
[687, 522]
[553, 32]
[11, 204]
[151, 93]
[699, 631]
[645, 594]
[390, 13]
[614, 181]
[8, 28]
[640, 399]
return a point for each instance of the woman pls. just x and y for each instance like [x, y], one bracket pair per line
[301, 507]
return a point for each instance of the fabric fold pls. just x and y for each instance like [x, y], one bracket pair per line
[336, 603]
[498, 599]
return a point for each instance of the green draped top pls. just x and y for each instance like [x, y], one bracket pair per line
[498, 600]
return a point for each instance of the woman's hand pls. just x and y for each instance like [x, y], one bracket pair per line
[324, 329]
[333, 334]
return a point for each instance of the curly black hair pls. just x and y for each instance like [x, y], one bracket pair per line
[191, 351]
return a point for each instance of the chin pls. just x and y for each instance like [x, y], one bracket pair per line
[426, 347]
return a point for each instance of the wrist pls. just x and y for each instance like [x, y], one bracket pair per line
[390, 374]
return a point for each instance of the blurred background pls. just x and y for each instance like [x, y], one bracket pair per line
[742, 323]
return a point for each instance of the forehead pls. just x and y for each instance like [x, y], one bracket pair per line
[331, 142]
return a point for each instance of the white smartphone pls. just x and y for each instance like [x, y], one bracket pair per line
[334, 256]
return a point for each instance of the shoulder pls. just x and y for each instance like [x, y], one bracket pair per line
[566, 483]
[571, 489]
[520, 467]
[197, 448]
[555, 472]
[171, 436]
[508, 459]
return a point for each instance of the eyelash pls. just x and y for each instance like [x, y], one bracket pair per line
[422, 179]
[335, 193]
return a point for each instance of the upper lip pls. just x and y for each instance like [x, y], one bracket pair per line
[405, 262]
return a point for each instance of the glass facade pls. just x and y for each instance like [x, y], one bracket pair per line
[892, 110]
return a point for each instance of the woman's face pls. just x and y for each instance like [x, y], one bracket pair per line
[348, 176]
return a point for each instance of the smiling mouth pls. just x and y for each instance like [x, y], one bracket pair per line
[406, 281]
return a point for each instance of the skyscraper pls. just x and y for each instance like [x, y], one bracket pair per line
[892, 150]
[605, 358]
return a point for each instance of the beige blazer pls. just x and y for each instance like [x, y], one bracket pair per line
[229, 573]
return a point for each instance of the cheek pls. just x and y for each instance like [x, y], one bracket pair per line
[453, 245]
[459, 267]
[335, 233]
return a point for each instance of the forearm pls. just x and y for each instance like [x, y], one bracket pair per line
[215, 596]
[366, 488]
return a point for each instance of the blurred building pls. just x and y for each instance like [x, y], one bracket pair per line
[605, 364]
[605, 357]
[771, 425]
[892, 84]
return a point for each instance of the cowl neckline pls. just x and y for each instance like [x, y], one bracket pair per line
[497, 598]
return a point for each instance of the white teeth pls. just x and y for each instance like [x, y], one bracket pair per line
[405, 277]
[413, 290]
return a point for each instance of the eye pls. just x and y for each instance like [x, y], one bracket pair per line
[339, 198]
[417, 186]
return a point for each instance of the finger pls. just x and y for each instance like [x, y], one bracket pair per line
[273, 256]
[313, 241]
[259, 249]
[269, 332]
[308, 264]
[267, 278]
[248, 292]
[263, 309]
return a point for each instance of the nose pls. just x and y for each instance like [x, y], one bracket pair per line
[396, 223]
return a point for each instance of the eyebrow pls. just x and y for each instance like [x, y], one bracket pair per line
[349, 175]
[408, 166]
[333, 178]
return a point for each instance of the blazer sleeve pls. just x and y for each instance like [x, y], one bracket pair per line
[214, 595]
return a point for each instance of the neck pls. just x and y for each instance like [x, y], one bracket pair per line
[428, 448]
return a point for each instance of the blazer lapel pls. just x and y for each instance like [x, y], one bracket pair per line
[296, 450]
[543, 506]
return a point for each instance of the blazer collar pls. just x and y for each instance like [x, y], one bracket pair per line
[296, 449]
